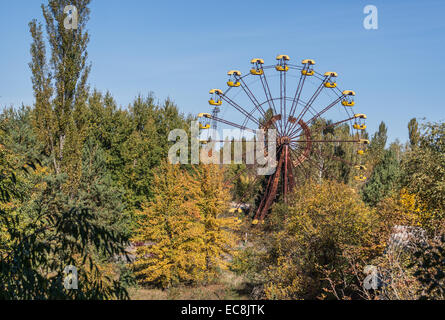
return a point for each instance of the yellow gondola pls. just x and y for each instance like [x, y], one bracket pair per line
[360, 115]
[331, 74]
[307, 71]
[256, 72]
[281, 66]
[364, 141]
[215, 100]
[234, 72]
[347, 103]
[359, 126]
[204, 115]
[308, 61]
[283, 57]
[233, 84]
[235, 210]
[233, 80]
[257, 68]
[330, 79]
[215, 103]
[360, 152]
[257, 60]
[360, 167]
[207, 126]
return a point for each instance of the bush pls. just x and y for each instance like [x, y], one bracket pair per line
[326, 226]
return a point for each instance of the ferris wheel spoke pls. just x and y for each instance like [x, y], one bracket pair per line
[321, 156]
[300, 156]
[322, 141]
[294, 169]
[322, 170]
[332, 157]
[301, 165]
[291, 174]
[252, 97]
[266, 88]
[297, 96]
[239, 108]
[318, 115]
[331, 125]
[281, 99]
[231, 124]
[308, 104]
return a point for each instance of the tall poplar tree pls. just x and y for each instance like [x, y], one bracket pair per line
[60, 83]
[414, 134]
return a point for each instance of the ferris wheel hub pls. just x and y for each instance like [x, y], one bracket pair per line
[285, 140]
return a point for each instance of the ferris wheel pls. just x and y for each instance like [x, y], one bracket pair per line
[296, 101]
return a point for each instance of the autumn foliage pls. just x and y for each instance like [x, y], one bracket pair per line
[183, 232]
[323, 223]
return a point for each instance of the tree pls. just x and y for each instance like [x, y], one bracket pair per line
[169, 231]
[378, 143]
[424, 171]
[35, 249]
[72, 212]
[219, 237]
[60, 85]
[384, 179]
[323, 224]
[182, 233]
[398, 149]
[414, 134]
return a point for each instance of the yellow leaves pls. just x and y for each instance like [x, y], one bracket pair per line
[405, 208]
[183, 227]
[323, 221]
[413, 206]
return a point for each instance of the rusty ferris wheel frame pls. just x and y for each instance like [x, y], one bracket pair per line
[290, 116]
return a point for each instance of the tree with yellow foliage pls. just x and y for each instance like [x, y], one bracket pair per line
[324, 224]
[182, 231]
[218, 237]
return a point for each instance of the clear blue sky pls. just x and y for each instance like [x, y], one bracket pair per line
[181, 49]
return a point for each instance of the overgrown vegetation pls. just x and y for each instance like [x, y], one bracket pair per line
[85, 182]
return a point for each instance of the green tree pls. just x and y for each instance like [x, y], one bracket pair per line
[414, 134]
[146, 146]
[60, 85]
[35, 248]
[424, 170]
[384, 179]
[378, 143]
